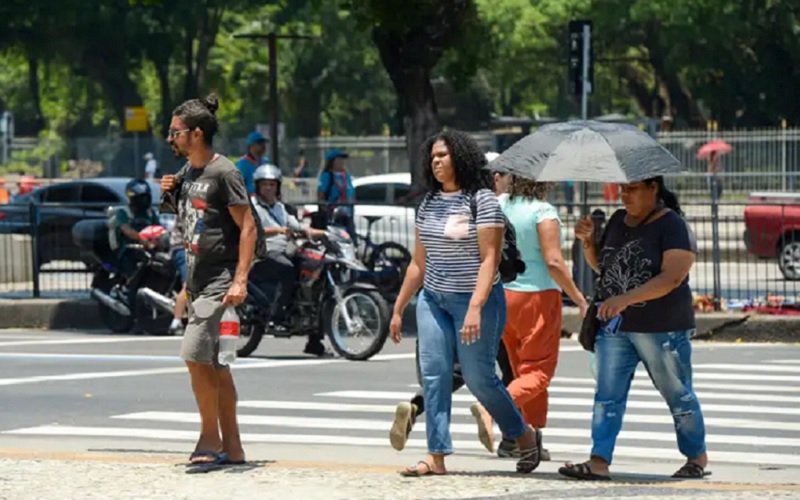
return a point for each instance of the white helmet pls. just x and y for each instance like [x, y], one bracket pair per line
[267, 173]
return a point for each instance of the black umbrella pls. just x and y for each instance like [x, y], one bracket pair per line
[587, 151]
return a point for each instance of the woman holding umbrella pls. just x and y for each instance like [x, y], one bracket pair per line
[643, 260]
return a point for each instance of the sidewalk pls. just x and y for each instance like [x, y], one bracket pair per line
[117, 476]
[83, 314]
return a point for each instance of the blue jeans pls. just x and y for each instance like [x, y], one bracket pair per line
[179, 261]
[667, 358]
[439, 319]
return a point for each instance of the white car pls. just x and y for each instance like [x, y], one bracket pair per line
[383, 200]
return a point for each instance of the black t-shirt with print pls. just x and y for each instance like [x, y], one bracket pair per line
[631, 256]
[210, 233]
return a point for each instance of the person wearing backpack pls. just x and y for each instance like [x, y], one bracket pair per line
[461, 309]
[126, 222]
[533, 330]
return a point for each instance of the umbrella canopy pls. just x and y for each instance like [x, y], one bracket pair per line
[587, 151]
[716, 146]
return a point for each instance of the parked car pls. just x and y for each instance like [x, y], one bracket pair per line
[60, 206]
[389, 197]
[772, 229]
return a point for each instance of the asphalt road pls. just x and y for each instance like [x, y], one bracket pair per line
[70, 391]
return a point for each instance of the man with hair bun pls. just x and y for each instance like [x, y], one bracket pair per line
[220, 235]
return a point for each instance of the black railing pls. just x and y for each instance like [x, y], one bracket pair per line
[38, 257]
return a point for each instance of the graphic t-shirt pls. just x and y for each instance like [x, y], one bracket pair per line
[211, 234]
[631, 256]
[449, 233]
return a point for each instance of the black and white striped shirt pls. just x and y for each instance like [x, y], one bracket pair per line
[449, 234]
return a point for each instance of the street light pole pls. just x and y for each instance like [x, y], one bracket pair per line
[272, 49]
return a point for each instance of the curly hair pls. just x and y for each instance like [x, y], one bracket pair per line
[529, 188]
[200, 113]
[467, 159]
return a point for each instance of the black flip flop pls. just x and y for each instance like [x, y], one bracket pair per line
[221, 461]
[691, 470]
[581, 471]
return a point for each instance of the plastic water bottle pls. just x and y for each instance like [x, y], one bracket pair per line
[228, 336]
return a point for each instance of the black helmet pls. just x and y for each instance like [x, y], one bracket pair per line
[139, 195]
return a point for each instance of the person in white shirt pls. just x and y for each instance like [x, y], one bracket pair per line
[150, 167]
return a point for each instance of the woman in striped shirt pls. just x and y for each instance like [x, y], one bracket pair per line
[461, 310]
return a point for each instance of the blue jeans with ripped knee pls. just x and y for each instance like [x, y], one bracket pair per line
[667, 358]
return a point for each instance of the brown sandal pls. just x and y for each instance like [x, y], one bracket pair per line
[414, 470]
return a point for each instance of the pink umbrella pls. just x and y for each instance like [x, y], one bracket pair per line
[717, 146]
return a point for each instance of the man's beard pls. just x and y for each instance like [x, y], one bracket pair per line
[177, 152]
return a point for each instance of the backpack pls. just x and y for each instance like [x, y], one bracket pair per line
[511, 264]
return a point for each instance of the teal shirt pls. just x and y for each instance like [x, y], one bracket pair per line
[526, 215]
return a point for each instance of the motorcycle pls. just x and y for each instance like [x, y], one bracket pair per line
[328, 298]
[145, 299]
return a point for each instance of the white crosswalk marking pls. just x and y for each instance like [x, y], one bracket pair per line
[756, 421]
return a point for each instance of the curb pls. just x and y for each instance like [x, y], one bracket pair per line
[83, 314]
[56, 314]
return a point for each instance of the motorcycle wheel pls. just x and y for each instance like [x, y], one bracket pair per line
[368, 309]
[250, 332]
[389, 262]
[115, 322]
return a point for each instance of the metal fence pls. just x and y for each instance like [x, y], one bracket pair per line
[37, 257]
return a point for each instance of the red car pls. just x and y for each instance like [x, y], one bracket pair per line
[772, 229]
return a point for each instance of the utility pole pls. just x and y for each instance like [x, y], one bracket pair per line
[272, 48]
[581, 78]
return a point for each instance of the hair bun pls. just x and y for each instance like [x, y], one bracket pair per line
[211, 102]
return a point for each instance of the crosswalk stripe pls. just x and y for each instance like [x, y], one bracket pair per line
[556, 431]
[455, 428]
[558, 389]
[702, 395]
[554, 446]
[747, 368]
[785, 361]
[629, 417]
[553, 401]
[643, 381]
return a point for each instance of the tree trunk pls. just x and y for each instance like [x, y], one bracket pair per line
[206, 37]
[415, 95]
[420, 120]
[162, 72]
[190, 82]
[34, 89]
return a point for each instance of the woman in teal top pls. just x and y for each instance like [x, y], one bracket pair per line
[533, 329]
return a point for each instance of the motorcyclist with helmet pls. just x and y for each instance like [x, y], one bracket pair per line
[128, 221]
[279, 226]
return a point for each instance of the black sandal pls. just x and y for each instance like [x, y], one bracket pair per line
[691, 470]
[530, 459]
[581, 471]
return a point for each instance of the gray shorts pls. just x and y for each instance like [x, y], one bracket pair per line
[201, 336]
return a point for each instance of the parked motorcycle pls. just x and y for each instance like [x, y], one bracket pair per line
[328, 298]
[144, 300]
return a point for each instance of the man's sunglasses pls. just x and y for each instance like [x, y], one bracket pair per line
[172, 133]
